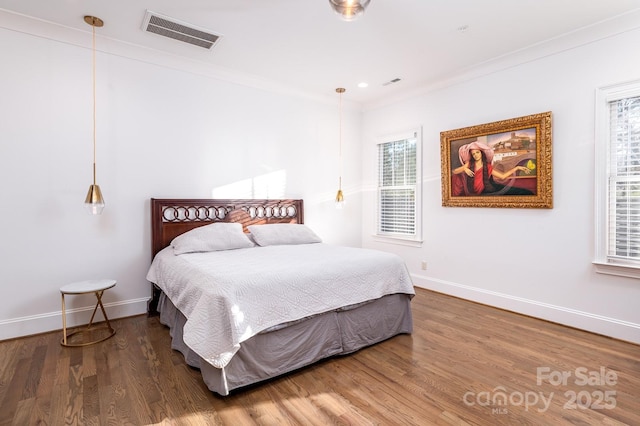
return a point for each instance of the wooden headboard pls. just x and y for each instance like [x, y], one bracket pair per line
[172, 217]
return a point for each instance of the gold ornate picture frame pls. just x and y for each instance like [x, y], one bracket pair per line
[501, 164]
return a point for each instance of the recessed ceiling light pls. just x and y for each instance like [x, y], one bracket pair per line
[363, 84]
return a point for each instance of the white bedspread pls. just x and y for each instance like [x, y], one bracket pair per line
[229, 296]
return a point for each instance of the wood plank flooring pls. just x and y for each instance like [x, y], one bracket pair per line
[465, 364]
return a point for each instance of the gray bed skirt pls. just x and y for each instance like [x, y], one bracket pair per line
[297, 344]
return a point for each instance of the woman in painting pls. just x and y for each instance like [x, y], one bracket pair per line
[476, 174]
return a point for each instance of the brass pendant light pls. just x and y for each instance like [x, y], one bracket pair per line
[94, 201]
[340, 195]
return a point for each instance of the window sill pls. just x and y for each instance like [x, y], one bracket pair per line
[399, 241]
[618, 270]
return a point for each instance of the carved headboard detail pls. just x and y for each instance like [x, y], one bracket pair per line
[172, 217]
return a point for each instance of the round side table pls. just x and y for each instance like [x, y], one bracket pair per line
[97, 287]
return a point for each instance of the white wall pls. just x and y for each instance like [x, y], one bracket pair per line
[162, 132]
[534, 261]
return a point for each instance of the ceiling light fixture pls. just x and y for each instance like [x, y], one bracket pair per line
[339, 195]
[94, 201]
[349, 10]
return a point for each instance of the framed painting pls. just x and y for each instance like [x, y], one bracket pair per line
[501, 164]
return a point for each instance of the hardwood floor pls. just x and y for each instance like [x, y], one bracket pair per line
[453, 370]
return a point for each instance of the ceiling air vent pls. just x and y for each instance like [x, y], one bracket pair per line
[395, 80]
[181, 31]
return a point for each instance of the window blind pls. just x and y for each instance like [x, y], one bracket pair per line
[623, 211]
[397, 187]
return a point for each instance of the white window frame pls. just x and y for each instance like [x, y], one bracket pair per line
[414, 240]
[602, 262]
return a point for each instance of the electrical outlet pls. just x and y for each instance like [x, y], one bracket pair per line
[424, 265]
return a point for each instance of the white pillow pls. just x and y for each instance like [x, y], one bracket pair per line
[215, 237]
[282, 233]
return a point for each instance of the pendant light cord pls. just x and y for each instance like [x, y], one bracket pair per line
[340, 142]
[340, 91]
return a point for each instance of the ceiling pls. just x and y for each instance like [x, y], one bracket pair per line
[303, 45]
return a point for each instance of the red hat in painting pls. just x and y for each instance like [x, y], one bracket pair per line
[464, 153]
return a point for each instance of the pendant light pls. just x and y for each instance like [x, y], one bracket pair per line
[339, 195]
[349, 10]
[94, 201]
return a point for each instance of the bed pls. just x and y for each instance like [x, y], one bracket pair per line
[249, 292]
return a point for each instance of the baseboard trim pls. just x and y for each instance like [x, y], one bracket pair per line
[43, 323]
[607, 326]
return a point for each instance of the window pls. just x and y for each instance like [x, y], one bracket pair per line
[618, 180]
[399, 178]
